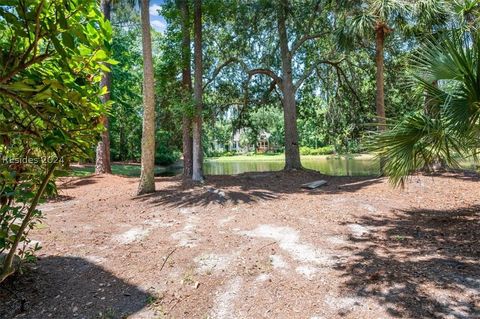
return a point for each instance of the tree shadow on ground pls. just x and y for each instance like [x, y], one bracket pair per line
[459, 174]
[68, 287]
[59, 198]
[80, 181]
[250, 187]
[419, 264]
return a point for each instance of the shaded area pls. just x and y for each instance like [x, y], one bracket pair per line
[81, 181]
[250, 188]
[420, 264]
[59, 198]
[67, 287]
[360, 165]
[460, 174]
[124, 169]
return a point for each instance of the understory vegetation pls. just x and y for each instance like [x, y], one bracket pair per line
[49, 96]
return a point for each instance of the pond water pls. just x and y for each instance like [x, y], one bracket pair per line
[329, 165]
[353, 165]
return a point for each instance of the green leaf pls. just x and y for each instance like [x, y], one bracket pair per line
[58, 46]
[104, 68]
[68, 40]
[100, 55]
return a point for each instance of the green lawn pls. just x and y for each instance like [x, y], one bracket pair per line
[130, 170]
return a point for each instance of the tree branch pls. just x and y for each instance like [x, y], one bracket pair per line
[312, 69]
[270, 73]
[32, 110]
[297, 44]
[24, 66]
[341, 74]
[221, 67]
[271, 88]
[33, 46]
[250, 73]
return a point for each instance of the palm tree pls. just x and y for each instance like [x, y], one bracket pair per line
[147, 176]
[469, 13]
[377, 18]
[466, 16]
[451, 128]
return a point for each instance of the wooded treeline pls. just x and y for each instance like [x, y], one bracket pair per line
[330, 69]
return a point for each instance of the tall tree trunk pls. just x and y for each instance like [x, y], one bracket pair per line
[292, 153]
[379, 61]
[102, 161]
[187, 90]
[147, 176]
[197, 174]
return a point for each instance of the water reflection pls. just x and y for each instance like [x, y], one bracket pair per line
[357, 165]
[329, 165]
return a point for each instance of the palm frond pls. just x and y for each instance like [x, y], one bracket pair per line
[448, 71]
[416, 142]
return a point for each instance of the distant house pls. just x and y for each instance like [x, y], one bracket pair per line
[235, 143]
[263, 143]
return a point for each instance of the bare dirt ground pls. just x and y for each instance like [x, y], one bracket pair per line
[256, 246]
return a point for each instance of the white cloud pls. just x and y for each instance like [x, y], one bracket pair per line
[153, 9]
[158, 25]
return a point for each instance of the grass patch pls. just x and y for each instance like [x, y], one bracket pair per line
[117, 169]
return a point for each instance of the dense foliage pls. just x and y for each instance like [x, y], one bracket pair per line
[448, 127]
[126, 114]
[336, 103]
[52, 54]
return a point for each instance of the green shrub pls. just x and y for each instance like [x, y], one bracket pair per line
[229, 153]
[220, 154]
[49, 107]
[325, 150]
[305, 150]
[165, 152]
[167, 157]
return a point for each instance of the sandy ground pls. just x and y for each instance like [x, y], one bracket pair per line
[255, 246]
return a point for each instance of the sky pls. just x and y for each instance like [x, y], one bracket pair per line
[156, 20]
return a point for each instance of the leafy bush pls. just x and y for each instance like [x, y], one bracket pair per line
[352, 146]
[325, 150]
[165, 154]
[167, 157]
[229, 153]
[49, 106]
[220, 154]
